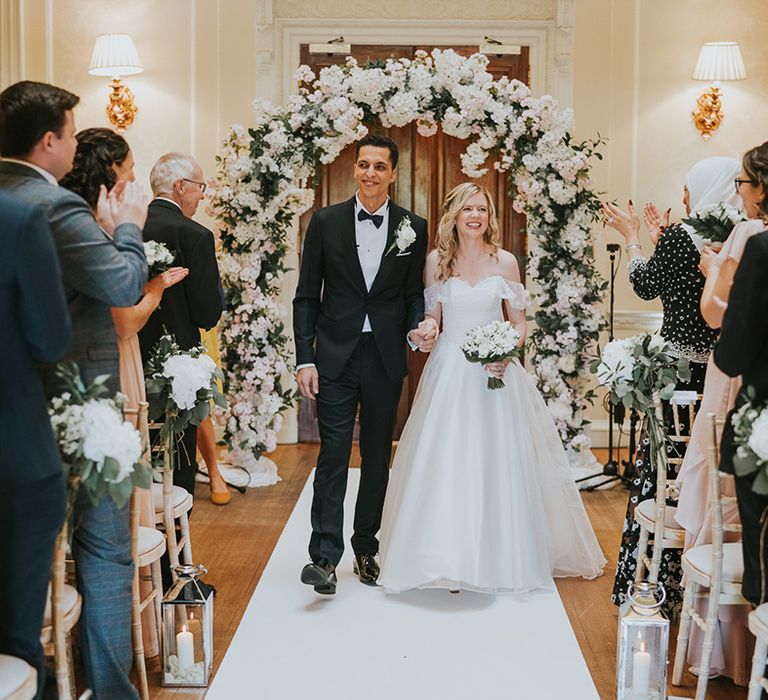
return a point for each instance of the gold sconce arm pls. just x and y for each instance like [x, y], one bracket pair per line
[708, 115]
[121, 109]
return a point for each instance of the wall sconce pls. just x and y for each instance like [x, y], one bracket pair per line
[719, 60]
[115, 55]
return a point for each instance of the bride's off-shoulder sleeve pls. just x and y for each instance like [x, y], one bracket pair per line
[515, 293]
[432, 298]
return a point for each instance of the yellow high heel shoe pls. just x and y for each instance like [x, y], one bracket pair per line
[221, 498]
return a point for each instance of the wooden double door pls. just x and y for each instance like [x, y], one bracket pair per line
[429, 167]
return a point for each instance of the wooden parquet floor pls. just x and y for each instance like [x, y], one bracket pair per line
[235, 543]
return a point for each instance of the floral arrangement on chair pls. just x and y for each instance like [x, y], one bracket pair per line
[180, 387]
[750, 430]
[639, 372]
[101, 451]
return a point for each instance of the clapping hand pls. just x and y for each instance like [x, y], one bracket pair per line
[655, 221]
[425, 334]
[128, 204]
[627, 223]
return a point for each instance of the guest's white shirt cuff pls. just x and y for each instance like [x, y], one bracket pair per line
[411, 344]
[308, 364]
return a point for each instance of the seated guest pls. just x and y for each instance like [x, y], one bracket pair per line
[178, 187]
[742, 349]
[731, 655]
[35, 327]
[104, 159]
[672, 273]
[37, 143]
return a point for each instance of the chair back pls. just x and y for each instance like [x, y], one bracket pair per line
[682, 403]
[717, 500]
[138, 416]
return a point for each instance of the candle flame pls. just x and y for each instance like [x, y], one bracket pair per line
[642, 646]
[183, 628]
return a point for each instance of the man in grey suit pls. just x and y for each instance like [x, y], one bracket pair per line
[37, 145]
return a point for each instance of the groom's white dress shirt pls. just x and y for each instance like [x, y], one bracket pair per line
[371, 242]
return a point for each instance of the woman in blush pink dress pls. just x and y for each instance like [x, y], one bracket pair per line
[733, 645]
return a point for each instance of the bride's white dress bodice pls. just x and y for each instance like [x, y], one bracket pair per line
[465, 306]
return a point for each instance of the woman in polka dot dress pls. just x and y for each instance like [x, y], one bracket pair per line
[672, 273]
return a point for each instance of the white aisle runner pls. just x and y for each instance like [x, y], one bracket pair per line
[293, 644]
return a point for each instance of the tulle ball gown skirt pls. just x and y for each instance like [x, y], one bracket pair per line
[481, 496]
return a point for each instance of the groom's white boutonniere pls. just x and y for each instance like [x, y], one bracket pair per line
[404, 236]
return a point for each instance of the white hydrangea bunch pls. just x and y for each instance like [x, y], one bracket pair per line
[617, 362]
[750, 429]
[107, 435]
[188, 375]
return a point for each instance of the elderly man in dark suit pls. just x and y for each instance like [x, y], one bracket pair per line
[35, 327]
[37, 145]
[197, 302]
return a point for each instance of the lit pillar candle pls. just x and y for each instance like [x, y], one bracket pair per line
[185, 649]
[641, 674]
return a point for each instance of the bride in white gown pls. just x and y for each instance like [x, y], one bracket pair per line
[481, 496]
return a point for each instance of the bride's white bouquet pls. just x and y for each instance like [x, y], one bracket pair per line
[100, 451]
[495, 342]
[750, 431]
[159, 258]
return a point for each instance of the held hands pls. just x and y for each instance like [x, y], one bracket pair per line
[425, 334]
[309, 382]
[497, 369]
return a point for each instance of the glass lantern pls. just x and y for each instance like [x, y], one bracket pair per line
[641, 655]
[187, 613]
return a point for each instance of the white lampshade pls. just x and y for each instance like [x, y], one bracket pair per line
[720, 60]
[115, 54]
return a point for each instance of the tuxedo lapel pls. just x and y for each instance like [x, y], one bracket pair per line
[349, 244]
[388, 259]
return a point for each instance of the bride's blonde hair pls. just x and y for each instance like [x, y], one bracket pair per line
[447, 239]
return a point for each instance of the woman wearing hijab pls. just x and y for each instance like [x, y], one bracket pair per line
[672, 273]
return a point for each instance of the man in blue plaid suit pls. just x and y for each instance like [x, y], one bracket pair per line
[37, 145]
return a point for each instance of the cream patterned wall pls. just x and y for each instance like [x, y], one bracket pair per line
[424, 9]
[624, 64]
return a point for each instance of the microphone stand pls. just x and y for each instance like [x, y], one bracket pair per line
[611, 467]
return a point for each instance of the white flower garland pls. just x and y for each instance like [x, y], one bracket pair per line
[264, 182]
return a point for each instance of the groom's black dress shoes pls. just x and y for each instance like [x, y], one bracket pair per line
[322, 575]
[366, 568]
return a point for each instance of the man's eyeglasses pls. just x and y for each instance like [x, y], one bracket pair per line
[740, 181]
[203, 186]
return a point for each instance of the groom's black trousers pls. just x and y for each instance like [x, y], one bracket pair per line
[363, 381]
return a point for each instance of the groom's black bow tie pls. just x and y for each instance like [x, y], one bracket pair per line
[377, 219]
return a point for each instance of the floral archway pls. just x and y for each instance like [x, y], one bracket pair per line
[264, 182]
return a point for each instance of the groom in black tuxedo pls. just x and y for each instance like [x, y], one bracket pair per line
[360, 295]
